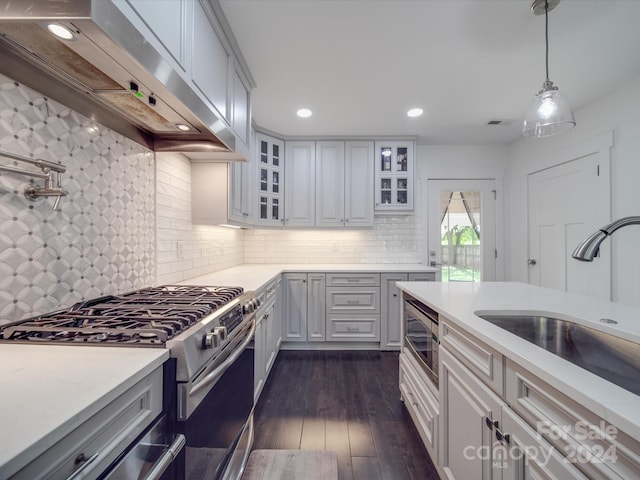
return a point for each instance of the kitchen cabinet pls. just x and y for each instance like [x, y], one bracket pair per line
[166, 26]
[421, 399]
[212, 61]
[315, 307]
[102, 438]
[269, 180]
[240, 195]
[482, 438]
[585, 435]
[344, 184]
[300, 198]
[353, 307]
[267, 335]
[394, 171]
[241, 109]
[391, 320]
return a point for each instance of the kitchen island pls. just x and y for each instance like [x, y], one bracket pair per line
[528, 383]
[51, 391]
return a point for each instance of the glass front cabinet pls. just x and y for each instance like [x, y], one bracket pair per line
[394, 176]
[270, 174]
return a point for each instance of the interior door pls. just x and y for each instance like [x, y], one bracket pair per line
[567, 202]
[462, 229]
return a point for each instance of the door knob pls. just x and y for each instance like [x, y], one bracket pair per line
[433, 263]
[531, 261]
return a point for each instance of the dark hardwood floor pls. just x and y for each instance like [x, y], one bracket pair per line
[348, 402]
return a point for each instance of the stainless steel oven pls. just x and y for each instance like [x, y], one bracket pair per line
[206, 429]
[421, 335]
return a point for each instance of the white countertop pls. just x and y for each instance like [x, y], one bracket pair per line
[46, 391]
[459, 300]
[253, 276]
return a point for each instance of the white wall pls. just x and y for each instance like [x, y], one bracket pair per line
[618, 112]
[461, 162]
[185, 250]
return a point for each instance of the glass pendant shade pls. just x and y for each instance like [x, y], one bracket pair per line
[548, 114]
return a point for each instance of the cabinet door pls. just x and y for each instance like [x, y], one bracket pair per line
[241, 107]
[468, 410]
[390, 328]
[260, 356]
[358, 181]
[394, 176]
[165, 25]
[315, 307]
[240, 194]
[300, 184]
[269, 175]
[527, 456]
[330, 184]
[211, 61]
[294, 299]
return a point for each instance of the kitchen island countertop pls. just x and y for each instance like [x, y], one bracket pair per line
[458, 301]
[49, 390]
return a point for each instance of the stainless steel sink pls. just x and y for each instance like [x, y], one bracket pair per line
[612, 358]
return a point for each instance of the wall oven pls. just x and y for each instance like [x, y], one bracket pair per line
[421, 335]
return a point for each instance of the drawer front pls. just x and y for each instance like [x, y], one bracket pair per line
[353, 328]
[353, 279]
[577, 433]
[421, 403]
[353, 300]
[481, 359]
[103, 437]
[422, 277]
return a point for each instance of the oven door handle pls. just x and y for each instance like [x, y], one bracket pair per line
[213, 376]
[167, 458]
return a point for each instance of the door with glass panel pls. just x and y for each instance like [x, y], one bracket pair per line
[270, 171]
[462, 229]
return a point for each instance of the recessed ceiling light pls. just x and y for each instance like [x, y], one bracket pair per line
[304, 113]
[415, 112]
[184, 128]
[60, 31]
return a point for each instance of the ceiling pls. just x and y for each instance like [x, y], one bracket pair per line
[359, 65]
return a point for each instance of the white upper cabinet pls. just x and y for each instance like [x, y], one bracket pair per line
[330, 184]
[241, 193]
[344, 184]
[300, 185]
[358, 184]
[241, 107]
[211, 62]
[394, 176]
[164, 24]
[269, 178]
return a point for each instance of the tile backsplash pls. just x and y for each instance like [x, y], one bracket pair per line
[393, 239]
[101, 240]
[186, 250]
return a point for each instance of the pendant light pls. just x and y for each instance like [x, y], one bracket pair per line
[549, 113]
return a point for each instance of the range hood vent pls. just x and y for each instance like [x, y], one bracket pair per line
[109, 73]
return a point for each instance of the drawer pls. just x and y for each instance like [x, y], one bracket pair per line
[267, 292]
[583, 433]
[480, 358]
[353, 300]
[103, 437]
[421, 402]
[353, 328]
[422, 277]
[355, 279]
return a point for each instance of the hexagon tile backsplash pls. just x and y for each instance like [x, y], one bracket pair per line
[101, 240]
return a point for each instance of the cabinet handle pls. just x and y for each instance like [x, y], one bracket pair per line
[491, 423]
[502, 437]
[353, 302]
[81, 463]
[353, 329]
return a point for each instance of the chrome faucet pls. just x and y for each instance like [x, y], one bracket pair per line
[589, 247]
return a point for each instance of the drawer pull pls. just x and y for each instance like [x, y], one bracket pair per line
[353, 302]
[82, 462]
[353, 329]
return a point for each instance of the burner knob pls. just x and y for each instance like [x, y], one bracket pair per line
[214, 338]
[248, 307]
